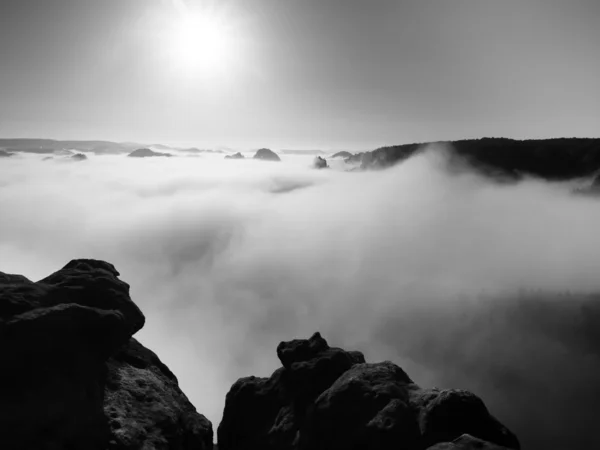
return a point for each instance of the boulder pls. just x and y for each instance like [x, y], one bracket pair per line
[329, 398]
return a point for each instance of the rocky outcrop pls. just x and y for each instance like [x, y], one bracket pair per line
[73, 378]
[320, 163]
[237, 155]
[329, 398]
[146, 153]
[265, 154]
[78, 157]
[5, 154]
[145, 407]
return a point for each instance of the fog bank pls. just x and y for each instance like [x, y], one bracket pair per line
[463, 282]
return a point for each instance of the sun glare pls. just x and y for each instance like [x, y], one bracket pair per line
[203, 42]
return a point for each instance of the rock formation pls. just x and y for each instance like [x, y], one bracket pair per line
[237, 155]
[320, 163]
[73, 378]
[329, 398]
[145, 153]
[266, 155]
[4, 153]
[78, 157]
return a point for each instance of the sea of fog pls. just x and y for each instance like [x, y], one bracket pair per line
[463, 282]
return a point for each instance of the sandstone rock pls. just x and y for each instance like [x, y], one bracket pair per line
[56, 338]
[145, 407]
[328, 398]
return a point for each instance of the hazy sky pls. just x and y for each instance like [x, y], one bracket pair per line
[301, 73]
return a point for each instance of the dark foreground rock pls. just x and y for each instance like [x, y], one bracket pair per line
[72, 378]
[5, 154]
[265, 154]
[329, 398]
[145, 407]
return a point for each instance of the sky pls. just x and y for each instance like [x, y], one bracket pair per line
[329, 74]
[462, 282]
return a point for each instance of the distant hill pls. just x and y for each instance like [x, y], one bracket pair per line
[552, 159]
[342, 154]
[146, 153]
[302, 152]
[46, 146]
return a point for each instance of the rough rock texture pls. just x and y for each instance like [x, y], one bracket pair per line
[320, 163]
[145, 407]
[467, 442]
[56, 337]
[146, 153]
[237, 155]
[266, 155]
[329, 398]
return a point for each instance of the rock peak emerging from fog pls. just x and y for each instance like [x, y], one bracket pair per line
[328, 398]
[146, 153]
[266, 155]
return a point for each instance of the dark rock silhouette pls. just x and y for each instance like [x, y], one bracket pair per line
[342, 154]
[145, 153]
[329, 398]
[5, 154]
[72, 376]
[145, 407]
[266, 155]
[320, 163]
[237, 155]
[551, 159]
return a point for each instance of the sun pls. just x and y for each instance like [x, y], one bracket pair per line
[203, 42]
